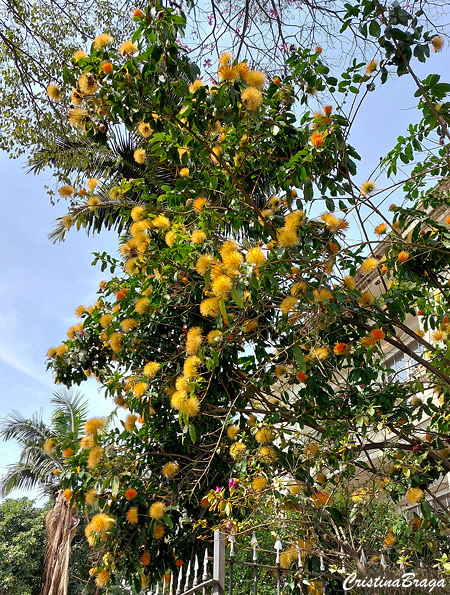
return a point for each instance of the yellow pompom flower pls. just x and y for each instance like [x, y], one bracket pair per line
[237, 449]
[132, 515]
[142, 305]
[221, 286]
[128, 324]
[259, 483]
[255, 256]
[66, 191]
[87, 442]
[93, 202]
[380, 229]
[151, 368]
[242, 68]
[184, 172]
[194, 340]
[169, 470]
[140, 156]
[157, 510]
[190, 406]
[61, 350]
[225, 58]
[102, 523]
[54, 92]
[67, 221]
[90, 497]
[371, 67]
[48, 445]
[251, 98]
[288, 304]
[130, 422]
[137, 213]
[320, 295]
[369, 265]
[254, 78]
[321, 353]
[145, 130]
[95, 454]
[161, 222]
[190, 367]
[140, 389]
[79, 55]
[87, 84]
[199, 203]
[267, 454]
[102, 41]
[414, 495]
[264, 435]
[106, 320]
[233, 431]
[102, 578]
[349, 282]
[213, 336]
[198, 237]
[298, 287]
[177, 400]
[233, 260]
[228, 73]
[287, 237]
[196, 85]
[93, 425]
[128, 48]
[437, 43]
[366, 299]
[367, 188]
[204, 262]
[210, 307]
[116, 342]
[294, 220]
[159, 531]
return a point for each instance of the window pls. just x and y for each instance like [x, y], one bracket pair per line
[403, 366]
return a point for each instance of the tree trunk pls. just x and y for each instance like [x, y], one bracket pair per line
[61, 523]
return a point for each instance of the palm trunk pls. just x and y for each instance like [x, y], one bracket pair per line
[61, 523]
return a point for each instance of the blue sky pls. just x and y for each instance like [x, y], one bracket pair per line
[42, 283]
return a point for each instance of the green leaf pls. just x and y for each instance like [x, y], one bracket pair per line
[115, 486]
[223, 309]
[299, 358]
[237, 297]
[168, 521]
[375, 29]
[192, 433]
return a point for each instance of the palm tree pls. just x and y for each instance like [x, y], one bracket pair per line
[36, 464]
[35, 469]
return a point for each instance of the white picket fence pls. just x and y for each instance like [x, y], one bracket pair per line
[211, 579]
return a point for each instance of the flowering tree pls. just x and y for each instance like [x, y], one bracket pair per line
[243, 328]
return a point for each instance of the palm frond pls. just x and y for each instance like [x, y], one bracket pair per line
[70, 414]
[24, 477]
[17, 427]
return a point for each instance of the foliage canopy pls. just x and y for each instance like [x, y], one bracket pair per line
[245, 330]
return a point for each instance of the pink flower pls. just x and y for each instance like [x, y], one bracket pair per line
[232, 482]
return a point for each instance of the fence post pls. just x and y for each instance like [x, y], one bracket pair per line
[219, 563]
